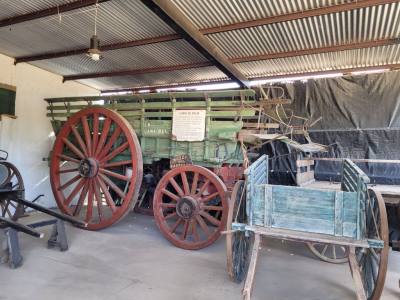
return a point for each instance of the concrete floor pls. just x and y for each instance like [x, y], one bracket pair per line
[131, 260]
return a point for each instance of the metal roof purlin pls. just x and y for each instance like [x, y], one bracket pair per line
[137, 71]
[49, 12]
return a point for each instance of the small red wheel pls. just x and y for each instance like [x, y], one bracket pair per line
[96, 167]
[190, 207]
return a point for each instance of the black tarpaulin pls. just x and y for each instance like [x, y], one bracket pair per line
[360, 119]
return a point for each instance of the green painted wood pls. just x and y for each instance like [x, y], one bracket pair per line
[151, 117]
[303, 209]
[176, 95]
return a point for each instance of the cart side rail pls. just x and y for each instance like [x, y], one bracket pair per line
[355, 180]
[256, 174]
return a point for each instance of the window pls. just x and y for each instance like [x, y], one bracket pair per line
[7, 100]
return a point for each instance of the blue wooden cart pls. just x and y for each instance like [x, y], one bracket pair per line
[354, 218]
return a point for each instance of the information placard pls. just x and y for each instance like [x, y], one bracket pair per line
[188, 125]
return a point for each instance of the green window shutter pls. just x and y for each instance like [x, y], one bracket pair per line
[7, 101]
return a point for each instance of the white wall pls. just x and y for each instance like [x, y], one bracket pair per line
[29, 138]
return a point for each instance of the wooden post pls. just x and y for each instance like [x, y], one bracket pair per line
[355, 272]
[248, 285]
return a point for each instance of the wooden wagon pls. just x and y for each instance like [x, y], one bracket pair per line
[305, 177]
[353, 218]
[185, 146]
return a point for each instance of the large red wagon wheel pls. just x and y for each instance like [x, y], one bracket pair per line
[190, 207]
[96, 167]
[11, 180]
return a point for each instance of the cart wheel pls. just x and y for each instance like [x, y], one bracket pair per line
[334, 254]
[190, 207]
[373, 262]
[11, 179]
[96, 167]
[238, 244]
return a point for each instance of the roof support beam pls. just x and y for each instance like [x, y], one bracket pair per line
[49, 12]
[170, 14]
[345, 72]
[167, 86]
[335, 48]
[355, 4]
[137, 71]
[116, 46]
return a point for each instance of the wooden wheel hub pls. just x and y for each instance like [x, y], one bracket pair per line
[187, 207]
[88, 167]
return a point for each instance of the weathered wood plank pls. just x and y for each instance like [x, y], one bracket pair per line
[248, 285]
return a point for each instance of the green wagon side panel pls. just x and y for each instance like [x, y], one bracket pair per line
[151, 117]
[308, 210]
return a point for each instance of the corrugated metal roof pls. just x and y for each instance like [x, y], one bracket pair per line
[127, 20]
[372, 23]
[118, 21]
[323, 62]
[171, 53]
[20, 7]
[211, 13]
[154, 79]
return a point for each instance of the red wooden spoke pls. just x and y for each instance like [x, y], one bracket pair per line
[117, 151]
[89, 209]
[74, 192]
[73, 148]
[107, 195]
[168, 205]
[170, 216]
[203, 187]
[169, 194]
[113, 186]
[176, 186]
[88, 137]
[68, 170]
[209, 197]
[217, 208]
[68, 158]
[82, 197]
[103, 137]
[203, 225]
[118, 163]
[194, 183]
[98, 198]
[194, 230]
[110, 143]
[175, 226]
[210, 218]
[185, 183]
[69, 182]
[79, 140]
[115, 175]
[95, 131]
[185, 230]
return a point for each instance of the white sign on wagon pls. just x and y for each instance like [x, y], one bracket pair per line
[188, 125]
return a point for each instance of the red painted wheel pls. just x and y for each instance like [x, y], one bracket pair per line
[96, 167]
[190, 207]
